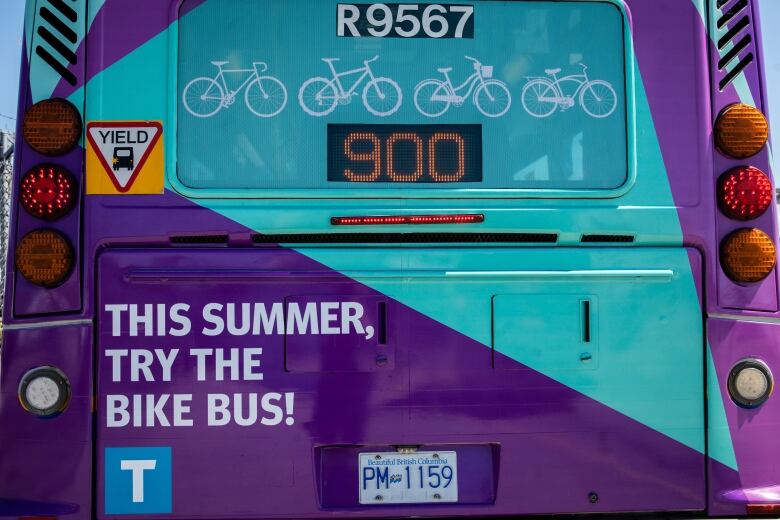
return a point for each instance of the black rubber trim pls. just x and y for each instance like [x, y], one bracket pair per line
[200, 239]
[405, 238]
[624, 239]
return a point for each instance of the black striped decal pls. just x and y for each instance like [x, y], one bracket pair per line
[60, 37]
[734, 16]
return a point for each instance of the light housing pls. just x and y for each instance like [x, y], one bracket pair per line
[44, 391]
[763, 509]
[48, 192]
[44, 257]
[741, 131]
[52, 127]
[747, 255]
[744, 193]
[381, 220]
[750, 383]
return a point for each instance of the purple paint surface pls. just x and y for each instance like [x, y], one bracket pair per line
[556, 444]
[571, 444]
[121, 26]
[731, 342]
[686, 143]
[60, 448]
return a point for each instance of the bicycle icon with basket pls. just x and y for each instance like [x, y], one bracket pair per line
[264, 96]
[319, 96]
[543, 96]
[491, 97]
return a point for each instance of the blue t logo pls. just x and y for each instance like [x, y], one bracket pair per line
[137, 480]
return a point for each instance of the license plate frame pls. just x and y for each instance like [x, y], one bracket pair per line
[424, 477]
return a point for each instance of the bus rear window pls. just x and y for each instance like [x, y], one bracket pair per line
[331, 96]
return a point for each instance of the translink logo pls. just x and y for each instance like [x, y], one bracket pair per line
[137, 481]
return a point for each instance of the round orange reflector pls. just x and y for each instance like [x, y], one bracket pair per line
[44, 257]
[52, 127]
[747, 255]
[741, 131]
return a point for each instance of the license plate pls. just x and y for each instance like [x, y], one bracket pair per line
[414, 478]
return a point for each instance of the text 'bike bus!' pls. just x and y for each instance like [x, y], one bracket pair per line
[329, 259]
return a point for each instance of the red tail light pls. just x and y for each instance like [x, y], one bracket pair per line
[763, 509]
[407, 219]
[48, 192]
[744, 193]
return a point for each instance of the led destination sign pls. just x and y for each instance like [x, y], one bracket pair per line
[405, 153]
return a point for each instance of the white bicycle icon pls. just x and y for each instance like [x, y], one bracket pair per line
[542, 96]
[381, 96]
[265, 96]
[433, 97]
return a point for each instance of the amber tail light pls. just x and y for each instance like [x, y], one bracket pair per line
[52, 127]
[741, 131]
[747, 255]
[44, 257]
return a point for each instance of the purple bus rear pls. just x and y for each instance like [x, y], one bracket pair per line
[225, 348]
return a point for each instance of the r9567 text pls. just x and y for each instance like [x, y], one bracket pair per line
[405, 20]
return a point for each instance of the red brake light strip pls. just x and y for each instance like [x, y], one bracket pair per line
[407, 219]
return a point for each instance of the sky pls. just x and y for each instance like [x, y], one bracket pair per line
[11, 43]
[10, 52]
[770, 19]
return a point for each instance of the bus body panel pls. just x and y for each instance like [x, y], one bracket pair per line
[48, 471]
[413, 382]
[557, 427]
[755, 429]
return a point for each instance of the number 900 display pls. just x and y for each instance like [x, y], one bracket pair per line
[405, 153]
